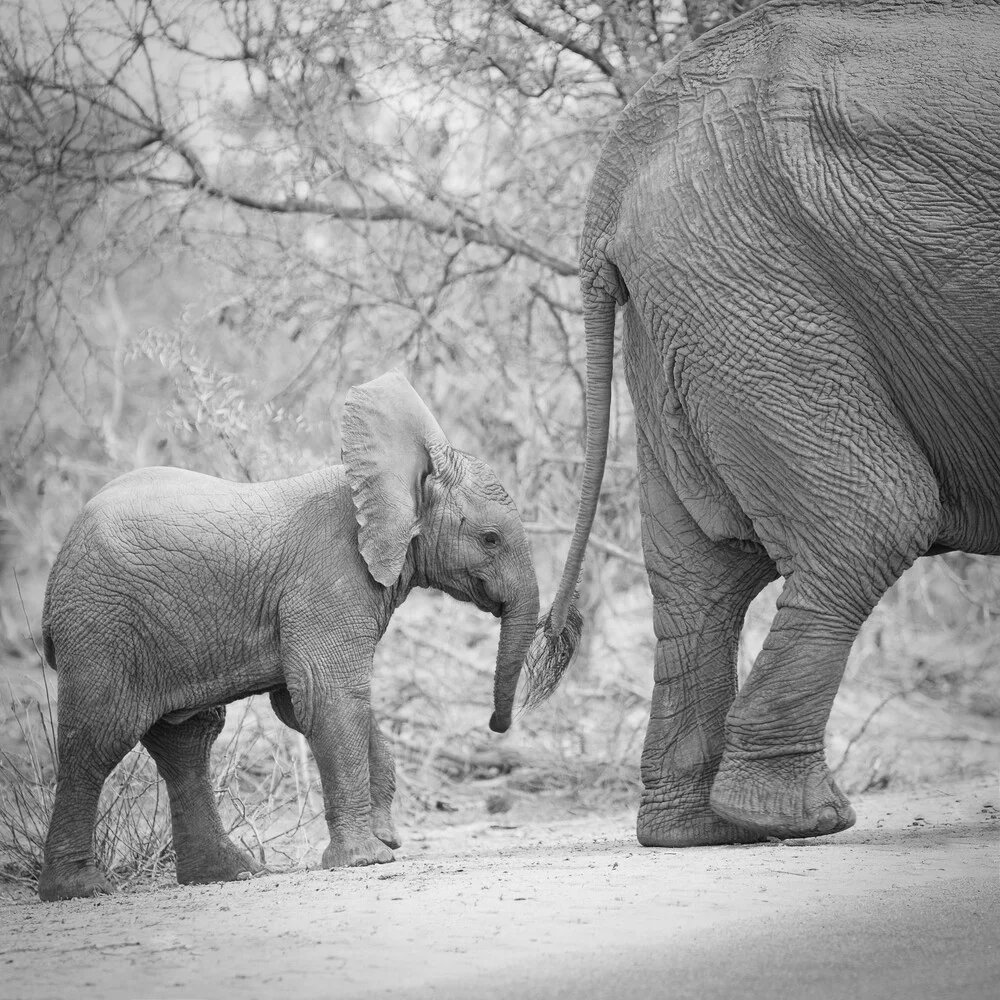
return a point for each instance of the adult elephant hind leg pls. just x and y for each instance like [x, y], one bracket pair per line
[773, 777]
[701, 591]
[182, 754]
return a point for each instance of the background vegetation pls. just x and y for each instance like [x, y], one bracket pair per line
[217, 215]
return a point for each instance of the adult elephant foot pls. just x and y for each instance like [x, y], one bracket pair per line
[214, 861]
[368, 850]
[66, 882]
[665, 820]
[792, 795]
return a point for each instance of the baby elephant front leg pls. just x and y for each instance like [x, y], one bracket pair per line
[382, 776]
[379, 778]
[340, 741]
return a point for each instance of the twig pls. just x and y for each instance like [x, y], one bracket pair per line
[608, 548]
[902, 693]
[449, 651]
[242, 810]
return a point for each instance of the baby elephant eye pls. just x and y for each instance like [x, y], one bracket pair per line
[491, 539]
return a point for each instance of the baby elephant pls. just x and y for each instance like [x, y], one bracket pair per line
[176, 593]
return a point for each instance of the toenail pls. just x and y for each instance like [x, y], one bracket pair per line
[827, 819]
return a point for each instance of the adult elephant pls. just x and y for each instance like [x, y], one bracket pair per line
[799, 218]
[175, 593]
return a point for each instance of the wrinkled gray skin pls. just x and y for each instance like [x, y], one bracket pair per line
[800, 221]
[176, 593]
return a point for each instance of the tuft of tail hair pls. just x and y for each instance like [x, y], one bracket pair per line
[549, 655]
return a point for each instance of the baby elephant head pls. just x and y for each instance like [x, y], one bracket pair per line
[415, 496]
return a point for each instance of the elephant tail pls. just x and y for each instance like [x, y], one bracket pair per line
[48, 645]
[559, 631]
[49, 648]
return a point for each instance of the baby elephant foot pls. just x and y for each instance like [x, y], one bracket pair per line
[676, 821]
[351, 854]
[218, 861]
[793, 795]
[71, 881]
[384, 828]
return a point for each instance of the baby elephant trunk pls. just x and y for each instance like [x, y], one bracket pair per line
[517, 628]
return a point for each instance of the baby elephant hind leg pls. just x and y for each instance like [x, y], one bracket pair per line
[204, 851]
[87, 755]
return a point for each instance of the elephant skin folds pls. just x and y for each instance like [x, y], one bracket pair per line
[799, 220]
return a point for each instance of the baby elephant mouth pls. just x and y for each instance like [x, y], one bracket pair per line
[483, 600]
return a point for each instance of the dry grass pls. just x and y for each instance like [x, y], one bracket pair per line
[132, 835]
[268, 799]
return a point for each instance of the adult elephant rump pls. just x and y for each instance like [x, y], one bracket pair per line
[800, 220]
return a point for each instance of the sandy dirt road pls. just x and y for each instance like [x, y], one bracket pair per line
[907, 904]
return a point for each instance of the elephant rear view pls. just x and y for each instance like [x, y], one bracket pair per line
[799, 218]
[175, 593]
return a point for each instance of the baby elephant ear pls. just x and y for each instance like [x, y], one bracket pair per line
[390, 439]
